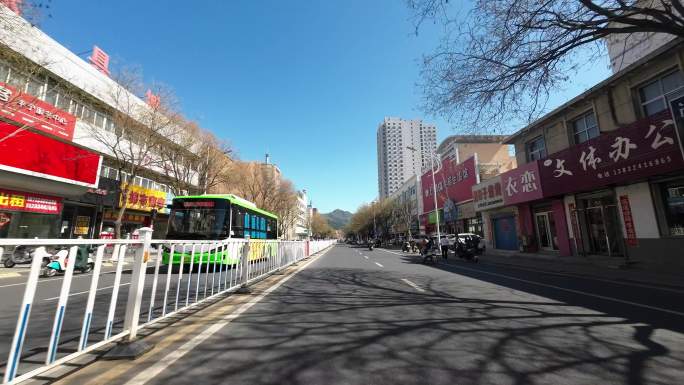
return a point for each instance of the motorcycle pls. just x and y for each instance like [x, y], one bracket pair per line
[370, 246]
[20, 255]
[57, 262]
[406, 247]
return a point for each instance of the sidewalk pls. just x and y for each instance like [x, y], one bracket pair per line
[611, 268]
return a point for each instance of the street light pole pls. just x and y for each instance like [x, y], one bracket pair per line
[434, 195]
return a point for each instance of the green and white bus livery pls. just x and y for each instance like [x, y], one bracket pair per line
[219, 217]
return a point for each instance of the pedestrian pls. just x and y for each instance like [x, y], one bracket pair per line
[444, 242]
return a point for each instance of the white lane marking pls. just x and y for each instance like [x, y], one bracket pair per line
[87, 291]
[572, 275]
[379, 264]
[163, 363]
[9, 275]
[413, 285]
[365, 257]
[59, 278]
[577, 275]
[572, 291]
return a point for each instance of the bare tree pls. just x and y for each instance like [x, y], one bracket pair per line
[196, 161]
[215, 161]
[320, 228]
[140, 130]
[264, 186]
[500, 60]
[404, 214]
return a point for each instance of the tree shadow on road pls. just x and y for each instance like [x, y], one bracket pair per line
[353, 326]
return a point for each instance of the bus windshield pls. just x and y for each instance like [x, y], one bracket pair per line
[198, 223]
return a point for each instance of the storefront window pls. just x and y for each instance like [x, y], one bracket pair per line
[475, 225]
[15, 224]
[673, 200]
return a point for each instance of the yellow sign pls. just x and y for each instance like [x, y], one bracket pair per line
[82, 225]
[143, 199]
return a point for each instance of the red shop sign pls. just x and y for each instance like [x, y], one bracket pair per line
[33, 112]
[453, 181]
[522, 184]
[630, 231]
[34, 154]
[644, 148]
[488, 194]
[34, 203]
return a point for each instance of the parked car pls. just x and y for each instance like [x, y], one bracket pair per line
[451, 238]
[480, 241]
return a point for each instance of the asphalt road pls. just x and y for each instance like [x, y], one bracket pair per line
[12, 286]
[377, 317]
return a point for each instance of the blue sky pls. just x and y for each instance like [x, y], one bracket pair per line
[306, 81]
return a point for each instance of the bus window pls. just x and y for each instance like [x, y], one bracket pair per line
[238, 222]
[262, 225]
[247, 221]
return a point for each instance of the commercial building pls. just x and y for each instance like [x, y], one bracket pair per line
[56, 179]
[302, 228]
[602, 174]
[409, 207]
[396, 162]
[466, 160]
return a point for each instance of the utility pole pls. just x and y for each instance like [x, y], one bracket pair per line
[434, 195]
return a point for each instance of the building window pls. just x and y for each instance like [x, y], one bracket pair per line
[653, 96]
[99, 120]
[536, 149]
[673, 204]
[17, 80]
[63, 103]
[585, 127]
[35, 87]
[4, 73]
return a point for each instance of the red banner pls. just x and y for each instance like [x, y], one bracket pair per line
[644, 148]
[630, 231]
[34, 203]
[522, 184]
[31, 153]
[453, 181]
[33, 112]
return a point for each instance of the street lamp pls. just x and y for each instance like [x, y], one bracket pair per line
[434, 194]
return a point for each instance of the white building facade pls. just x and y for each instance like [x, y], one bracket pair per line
[57, 100]
[301, 228]
[409, 200]
[404, 148]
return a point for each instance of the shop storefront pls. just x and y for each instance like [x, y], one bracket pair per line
[454, 197]
[82, 216]
[144, 207]
[498, 222]
[620, 195]
[28, 215]
[40, 169]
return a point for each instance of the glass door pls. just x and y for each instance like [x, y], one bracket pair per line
[603, 226]
[543, 231]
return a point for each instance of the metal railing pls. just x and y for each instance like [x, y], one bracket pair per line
[166, 276]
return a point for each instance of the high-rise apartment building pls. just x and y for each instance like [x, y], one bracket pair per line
[404, 149]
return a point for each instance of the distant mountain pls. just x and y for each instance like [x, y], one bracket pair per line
[337, 219]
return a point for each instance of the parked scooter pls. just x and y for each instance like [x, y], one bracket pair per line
[20, 255]
[406, 247]
[370, 246]
[57, 262]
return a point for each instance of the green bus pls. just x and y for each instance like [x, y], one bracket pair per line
[219, 217]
